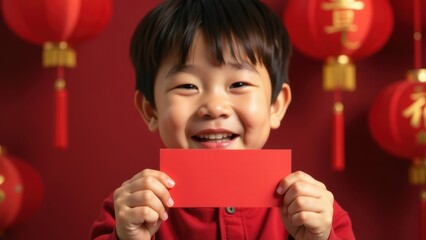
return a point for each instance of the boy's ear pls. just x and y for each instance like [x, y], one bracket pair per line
[147, 111]
[279, 107]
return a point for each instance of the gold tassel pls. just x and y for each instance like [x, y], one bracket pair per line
[58, 54]
[339, 74]
[338, 138]
[418, 171]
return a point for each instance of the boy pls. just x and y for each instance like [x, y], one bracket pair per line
[213, 74]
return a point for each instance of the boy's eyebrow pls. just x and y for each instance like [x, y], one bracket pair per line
[181, 68]
[243, 65]
[192, 68]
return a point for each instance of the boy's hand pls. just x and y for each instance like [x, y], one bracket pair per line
[307, 208]
[140, 204]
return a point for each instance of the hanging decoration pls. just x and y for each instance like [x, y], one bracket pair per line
[406, 10]
[337, 32]
[21, 190]
[57, 26]
[398, 119]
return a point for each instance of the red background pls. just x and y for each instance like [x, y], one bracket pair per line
[109, 143]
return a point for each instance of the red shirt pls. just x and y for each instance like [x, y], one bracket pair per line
[219, 223]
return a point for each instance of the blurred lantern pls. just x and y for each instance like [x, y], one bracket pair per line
[397, 116]
[10, 192]
[57, 25]
[338, 31]
[398, 124]
[21, 190]
[398, 119]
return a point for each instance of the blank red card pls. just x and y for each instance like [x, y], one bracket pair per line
[220, 178]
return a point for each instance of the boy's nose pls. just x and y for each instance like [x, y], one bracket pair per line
[215, 108]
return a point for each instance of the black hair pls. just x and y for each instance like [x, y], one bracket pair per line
[238, 25]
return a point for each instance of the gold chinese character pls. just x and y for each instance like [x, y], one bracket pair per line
[342, 21]
[343, 15]
[416, 110]
[343, 4]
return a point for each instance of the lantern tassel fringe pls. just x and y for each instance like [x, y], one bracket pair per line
[61, 115]
[423, 214]
[58, 55]
[338, 139]
[418, 172]
[339, 74]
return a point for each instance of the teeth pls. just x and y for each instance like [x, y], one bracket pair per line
[215, 136]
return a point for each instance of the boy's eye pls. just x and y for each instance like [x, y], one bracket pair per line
[238, 84]
[187, 86]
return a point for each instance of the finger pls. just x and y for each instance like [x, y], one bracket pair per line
[286, 183]
[149, 199]
[310, 220]
[302, 189]
[138, 215]
[161, 176]
[153, 185]
[307, 204]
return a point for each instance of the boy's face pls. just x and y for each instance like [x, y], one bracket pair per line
[203, 105]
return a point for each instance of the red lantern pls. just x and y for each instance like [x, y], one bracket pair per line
[32, 190]
[57, 25]
[337, 31]
[398, 124]
[317, 27]
[10, 192]
[397, 117]
[21, 190]
[380, 30]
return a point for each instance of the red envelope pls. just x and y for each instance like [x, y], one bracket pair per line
[221, 178]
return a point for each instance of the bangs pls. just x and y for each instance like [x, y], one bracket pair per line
[241, 34]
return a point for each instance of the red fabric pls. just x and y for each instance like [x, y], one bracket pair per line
[216, 223]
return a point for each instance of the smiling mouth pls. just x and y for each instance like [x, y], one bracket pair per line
[215, 137]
